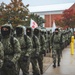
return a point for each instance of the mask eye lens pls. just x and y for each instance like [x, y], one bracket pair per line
[5, 29]
[28, 30]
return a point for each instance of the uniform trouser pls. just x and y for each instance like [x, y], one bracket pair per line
[56, 55]
[40, 63]
[64, 44]
[49, 48]
[9, 70]
[0, 72]
[69, 40]
[35, 66]
[24, 65]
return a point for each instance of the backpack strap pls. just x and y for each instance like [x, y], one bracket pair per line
[41, 40]
[25, 39]
[34, 44]
[52, 38]
[12, 41]
[0, 37]
[61, 38]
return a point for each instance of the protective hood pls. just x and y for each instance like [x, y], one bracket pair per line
[20, 30]
[37, 31]
[6, 30]
[29, 31]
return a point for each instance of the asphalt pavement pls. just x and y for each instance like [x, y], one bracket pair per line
[67, 65]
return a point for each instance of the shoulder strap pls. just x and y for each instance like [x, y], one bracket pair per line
[61, 38]
[52, 38]
[25, 39]
[41, 41]
[34, 37]
[12, 41]
[0, 37]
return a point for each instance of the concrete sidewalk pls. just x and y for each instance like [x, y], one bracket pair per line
[67, 66]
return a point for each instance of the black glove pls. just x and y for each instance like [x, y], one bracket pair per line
[36, 55]
[42, 52]
[25, 58]
[9, 64]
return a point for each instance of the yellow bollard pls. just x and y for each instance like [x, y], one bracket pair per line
[72, 45]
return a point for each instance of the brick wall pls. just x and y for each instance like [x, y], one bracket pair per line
[49, 18]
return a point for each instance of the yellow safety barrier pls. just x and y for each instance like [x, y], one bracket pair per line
[72, 45]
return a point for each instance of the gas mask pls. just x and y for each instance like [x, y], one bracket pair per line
[56, 33]
[36, 32]
[5, 31]
[29, 32]
[19, 31]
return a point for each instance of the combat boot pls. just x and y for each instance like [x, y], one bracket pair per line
[58, 63]
[54, 65]
[41, 71]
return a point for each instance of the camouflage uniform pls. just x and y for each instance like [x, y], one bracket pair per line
[56, 49]
[63, 40]
[42, 48]
[26, 46]
[35, 50]
[1, 56]
[69, 36]
[11, 53]
[66, 37]
[49, 40]
[43, 33]
[46, 40]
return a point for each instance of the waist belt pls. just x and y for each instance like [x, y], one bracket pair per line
[9, 54]
[23, 47]
[56, 42]
[34, 46]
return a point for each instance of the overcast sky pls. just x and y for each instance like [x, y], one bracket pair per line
[41, 2]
